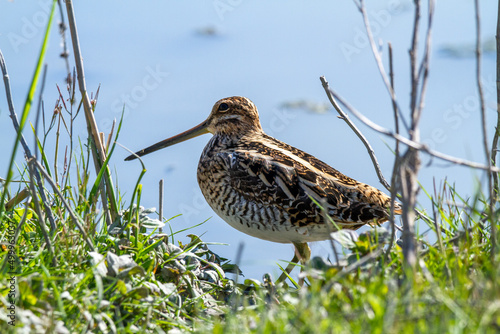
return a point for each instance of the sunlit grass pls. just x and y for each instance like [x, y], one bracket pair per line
[137, 281]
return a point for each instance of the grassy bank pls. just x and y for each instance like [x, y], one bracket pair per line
[125, 279]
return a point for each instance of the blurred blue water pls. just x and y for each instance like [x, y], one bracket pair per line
[167, 62]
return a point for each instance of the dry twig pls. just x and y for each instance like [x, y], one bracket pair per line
[64, 54]
[40, 220]
[485, 133]
[406, 168]
[380, 64]
[397, 158]
[98, 152]
[358, 133]
[416, 145]
[494, 145]
[26, 148]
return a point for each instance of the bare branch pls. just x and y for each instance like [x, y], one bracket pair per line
[26, 148]
[40, 220]
[485, 131]
[160, 200]
[413, 61]
[99, 152]
[394, 105]
[358, 133]
[380, 64]
[411, 143]
[424, 65]
[396, 165]
[410, 163]
[494, 145]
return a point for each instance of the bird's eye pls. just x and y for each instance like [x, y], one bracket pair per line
[223, 107]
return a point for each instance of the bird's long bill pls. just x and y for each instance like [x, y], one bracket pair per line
[191, 133]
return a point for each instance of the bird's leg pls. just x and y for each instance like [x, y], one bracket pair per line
[302, 254]
[288, 270]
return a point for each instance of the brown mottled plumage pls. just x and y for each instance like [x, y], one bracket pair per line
[268, 189]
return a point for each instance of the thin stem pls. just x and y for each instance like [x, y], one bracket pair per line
[64, 44]
[26, 148]
[39, 108]
[413, 62]
[437, 226]
[41, 220]
[424, 65]
[396, 165]
[161, 203]
[494, 145]
[56, 149]
[327, 219]
[378, 60]
[485, 131]
[98, 152]
[71, 93]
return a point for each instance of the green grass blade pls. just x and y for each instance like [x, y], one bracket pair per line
[27, 105]
[104, 167]
[42, 152]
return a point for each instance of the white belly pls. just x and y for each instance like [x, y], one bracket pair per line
[277, 231]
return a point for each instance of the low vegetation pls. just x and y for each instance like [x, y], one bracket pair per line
[136, 280]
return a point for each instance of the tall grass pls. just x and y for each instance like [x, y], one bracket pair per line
[85, 275]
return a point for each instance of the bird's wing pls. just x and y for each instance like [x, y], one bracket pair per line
[274, 174]
[359, 193]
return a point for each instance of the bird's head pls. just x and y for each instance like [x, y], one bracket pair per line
[232, 116]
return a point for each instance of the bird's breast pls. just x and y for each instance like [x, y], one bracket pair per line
[249, 202]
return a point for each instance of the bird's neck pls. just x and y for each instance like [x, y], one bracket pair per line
[224, 140]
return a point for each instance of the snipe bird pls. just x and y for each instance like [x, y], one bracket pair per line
[271, 190]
